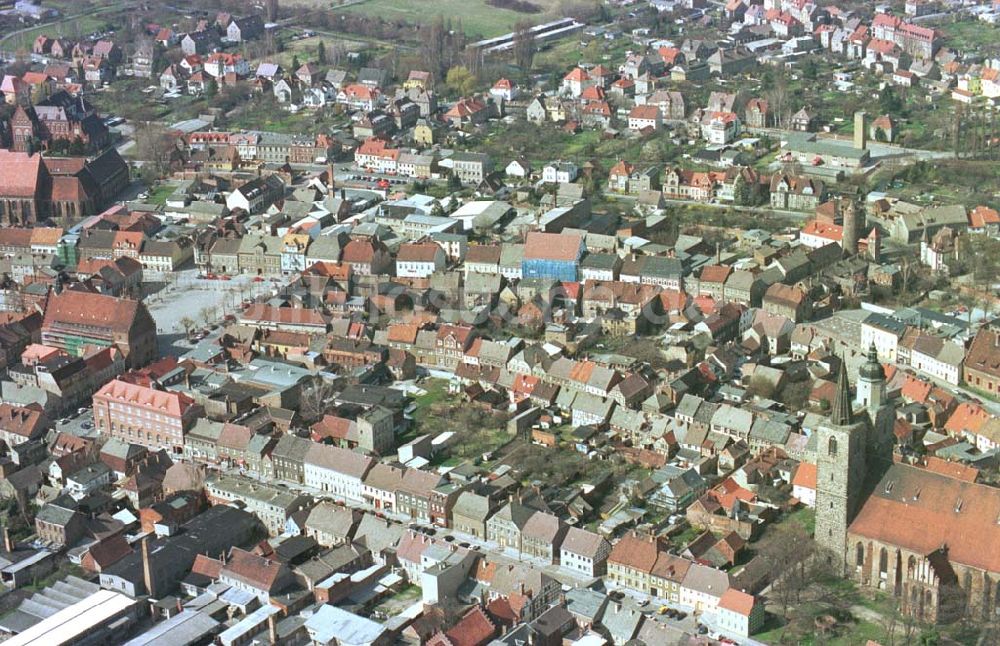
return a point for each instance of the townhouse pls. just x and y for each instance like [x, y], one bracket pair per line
[271, 504]
[335, 471]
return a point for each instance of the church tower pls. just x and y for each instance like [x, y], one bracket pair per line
[849, 237]
[871, 383]
[841, 457]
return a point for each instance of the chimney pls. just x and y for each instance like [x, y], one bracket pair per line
[272, 630]
[147, 569]
[329, 177]
[8, 545]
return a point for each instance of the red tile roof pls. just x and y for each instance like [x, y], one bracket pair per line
[46, 235]
[15, 237]
[260, 313]
[333, 427]
[715, 273]
[20, 174]
[622, 168]
[473, 629]
[465, 108]
[419, 252]
[107, 552]
[736, 601]
[982, 216]
[636, 551]
[158, 401]
[25, 421]
[805, 475]
[207, 566]
[826, 230]
[552, 246]
[91, 310]
[968, 417]
[650, 112]
[593, 93]
[359, 251]
[253, 570]
[921, 511]
[483, 254]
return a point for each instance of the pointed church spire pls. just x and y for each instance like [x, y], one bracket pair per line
[842, 413]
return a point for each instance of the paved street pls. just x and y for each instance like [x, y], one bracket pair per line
[78, 424]
[186, 295]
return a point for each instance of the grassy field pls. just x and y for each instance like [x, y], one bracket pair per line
[75, 28]
[970, 34]
[160, 194]
[478, 18]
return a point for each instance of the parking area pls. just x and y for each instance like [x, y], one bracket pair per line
[661, 611]
[80, 423]
[205, 302]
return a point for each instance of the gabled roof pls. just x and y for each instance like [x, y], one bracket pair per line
[21, 173]
[922, 511]
[552, 246]
[736, 601]
[91, 310]
[158, 401]
[255, 571]
[418, 252]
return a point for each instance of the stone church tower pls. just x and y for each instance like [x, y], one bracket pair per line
[850, 224]
[841, 466]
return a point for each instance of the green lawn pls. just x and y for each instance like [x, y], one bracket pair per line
[435, 390]
[805, 517]
[265, 113]
[160, 194]
[856, 634]
[478, 18]
[305, 49]
[74, 28]
[969, 34]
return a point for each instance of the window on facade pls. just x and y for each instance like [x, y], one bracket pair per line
[831, 447]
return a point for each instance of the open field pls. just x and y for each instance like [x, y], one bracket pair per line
[970, 34]
[478, 18]
[68, 28]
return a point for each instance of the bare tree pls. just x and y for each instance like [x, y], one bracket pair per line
[314, 401]
[524, 45]
[335, 53]
[777, 97]
[433, 45]
[271, 8]
[208, 314]
[906, 269]
[154, 145]
[188, 324]
[796, 561]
